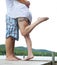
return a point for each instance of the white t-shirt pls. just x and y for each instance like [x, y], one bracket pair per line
[16, 9]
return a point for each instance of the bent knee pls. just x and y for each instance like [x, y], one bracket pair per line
[23, 33]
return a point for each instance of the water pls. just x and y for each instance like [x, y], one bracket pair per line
[35, 57]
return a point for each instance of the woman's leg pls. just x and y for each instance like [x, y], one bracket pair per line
[26, 29]
[28, 41]
[29, 46]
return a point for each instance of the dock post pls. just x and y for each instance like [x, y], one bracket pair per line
[23, 56]
[53, 58]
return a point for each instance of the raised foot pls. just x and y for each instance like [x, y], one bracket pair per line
[42, 19]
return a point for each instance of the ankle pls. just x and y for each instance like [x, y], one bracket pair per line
[12, 55]
[30, 55]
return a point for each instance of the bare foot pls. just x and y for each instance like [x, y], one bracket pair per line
[18, 58]
[12, 58]
[42, 19]
[29, 58]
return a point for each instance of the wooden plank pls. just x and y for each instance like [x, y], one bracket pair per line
[50, 63]
[6, 62]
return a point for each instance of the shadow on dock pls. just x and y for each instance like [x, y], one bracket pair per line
[50, 63]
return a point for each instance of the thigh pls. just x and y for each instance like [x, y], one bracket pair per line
[23, 22]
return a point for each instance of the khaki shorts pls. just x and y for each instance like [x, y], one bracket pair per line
[21, 19]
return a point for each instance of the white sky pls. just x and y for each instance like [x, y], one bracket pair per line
[44, 36]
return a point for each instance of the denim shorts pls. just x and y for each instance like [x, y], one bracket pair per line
[12, 28]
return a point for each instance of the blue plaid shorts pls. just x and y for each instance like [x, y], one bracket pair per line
[12, 28]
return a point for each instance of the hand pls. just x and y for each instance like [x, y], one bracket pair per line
[27, 3]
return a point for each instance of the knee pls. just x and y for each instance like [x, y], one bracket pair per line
[23, 33]
[11, 38]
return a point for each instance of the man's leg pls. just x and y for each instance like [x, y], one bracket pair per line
[10, 42]
[11, 36]
[10, 48]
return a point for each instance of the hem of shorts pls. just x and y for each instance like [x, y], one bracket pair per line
[12, 37]
[29, 22]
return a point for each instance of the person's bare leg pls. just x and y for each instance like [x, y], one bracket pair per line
[10, 42]
[26, 30]
[27, 39]
[29, 46]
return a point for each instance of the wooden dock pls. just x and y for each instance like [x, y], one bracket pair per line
[50, 63]
[31, 62]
